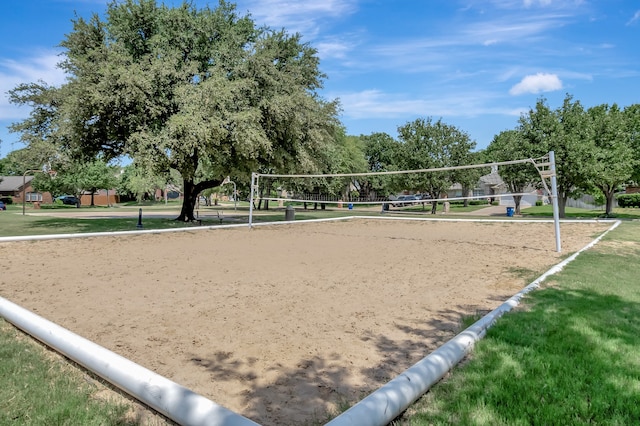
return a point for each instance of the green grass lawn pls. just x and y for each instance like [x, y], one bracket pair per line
[16, 225]
[569, 355]
[38, 388]
[571, 212]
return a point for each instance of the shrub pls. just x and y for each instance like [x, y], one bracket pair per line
[539, 203]
[628, 200]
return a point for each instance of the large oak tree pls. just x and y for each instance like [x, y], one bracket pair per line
[202, 91]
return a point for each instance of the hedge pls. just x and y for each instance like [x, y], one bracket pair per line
[628, 200]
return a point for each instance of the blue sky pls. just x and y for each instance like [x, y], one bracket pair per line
[476, 64]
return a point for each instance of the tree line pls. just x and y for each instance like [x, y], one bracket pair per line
[197, 95]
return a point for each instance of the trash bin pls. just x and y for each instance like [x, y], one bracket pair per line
[510, 211]
[289, 213]
[350, 206]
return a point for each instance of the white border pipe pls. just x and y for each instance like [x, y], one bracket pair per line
[388, 402]
[185, 407]
[171, 399]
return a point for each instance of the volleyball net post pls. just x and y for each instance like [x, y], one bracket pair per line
[554, 200]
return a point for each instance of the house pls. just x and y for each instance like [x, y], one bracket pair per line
[13, 188]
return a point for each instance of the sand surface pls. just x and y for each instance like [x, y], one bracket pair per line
[282, 323]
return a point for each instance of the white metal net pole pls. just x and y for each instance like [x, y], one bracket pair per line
[554, 200]
[254, 184]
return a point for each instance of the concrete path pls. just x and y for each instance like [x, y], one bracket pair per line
[489, 211]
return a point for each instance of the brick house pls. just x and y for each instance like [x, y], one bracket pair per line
[13, 188]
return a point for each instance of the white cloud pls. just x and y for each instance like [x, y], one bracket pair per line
[369, 104]
[635, 18]
[27, 70]
[298, 16]
[332, 49]
[529, 3]
[538, 83]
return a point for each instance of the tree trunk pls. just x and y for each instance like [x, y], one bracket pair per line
[189, 203]
[562, 202]
[465, 193]
[434, 207]
[517, 199]
[609, 196]
[92, 194]
[191, 192]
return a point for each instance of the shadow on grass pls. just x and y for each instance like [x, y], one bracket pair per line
[67, 226]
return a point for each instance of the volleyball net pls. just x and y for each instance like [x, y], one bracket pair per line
[396, 188]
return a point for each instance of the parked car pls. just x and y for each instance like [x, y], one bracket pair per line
[69, 200]
[3, 206]
[404, 200]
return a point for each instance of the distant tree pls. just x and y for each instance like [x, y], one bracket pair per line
[77, 178]
[381, 151]
[348, 157]
[615, 160]
[469, 178]
[511, 145]
[427, 144]
[33, 157]
[9, 166]
[632, 125]
[96, 175]
[565, 131]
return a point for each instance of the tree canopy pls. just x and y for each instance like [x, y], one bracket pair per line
[426, 145]
[511, 145]
[202, 91]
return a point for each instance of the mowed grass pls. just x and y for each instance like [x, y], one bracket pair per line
[570, 355]
[13, 223]
[37, 388]
[572, 212]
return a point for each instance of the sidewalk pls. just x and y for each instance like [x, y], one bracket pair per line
[489, 211]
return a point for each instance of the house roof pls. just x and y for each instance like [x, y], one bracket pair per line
[13, 183]
[491, 179]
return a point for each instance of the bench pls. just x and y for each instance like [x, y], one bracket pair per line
[218, 215]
